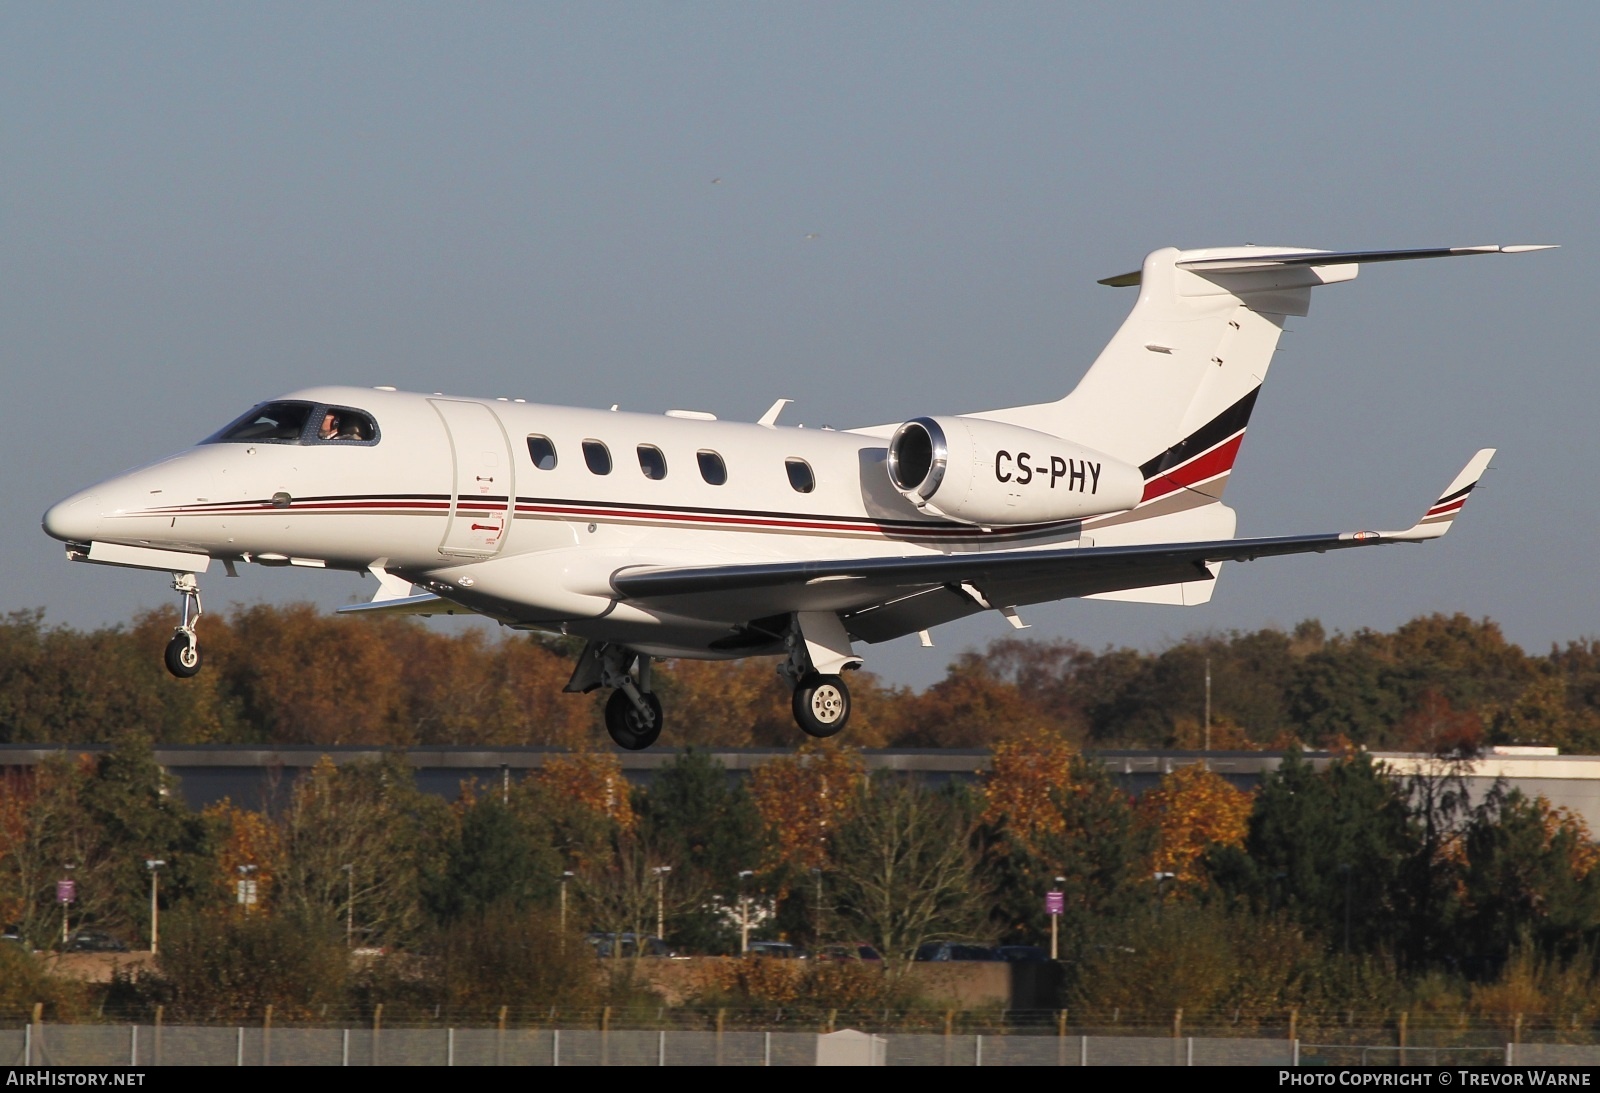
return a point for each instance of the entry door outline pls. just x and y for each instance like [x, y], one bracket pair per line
[482, 479]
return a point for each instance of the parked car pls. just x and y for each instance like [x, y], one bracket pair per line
[954, 950]
[855, 950]
[92, 941]
[1023, 954]
[781, 950]
[628, 945]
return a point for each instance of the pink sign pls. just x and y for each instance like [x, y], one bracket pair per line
[1055, 903]
[66, 891]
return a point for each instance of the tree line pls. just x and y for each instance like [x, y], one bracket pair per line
[294, 675]
[1326, 890]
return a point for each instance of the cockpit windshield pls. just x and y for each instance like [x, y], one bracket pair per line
[299, 423]
[269, 423]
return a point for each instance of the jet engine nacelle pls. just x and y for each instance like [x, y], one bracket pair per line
[988, 473]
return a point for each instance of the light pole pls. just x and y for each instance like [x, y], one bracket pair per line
[154, 864]
[661, 872]
[566, 875]
[1055, 903]
[744, 913]
[66, 892]
[247, 887]
[1161, 890]
[349, 905]
[1347, 869]
[817, 924]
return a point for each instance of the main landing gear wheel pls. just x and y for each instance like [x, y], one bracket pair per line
[183, 655]
[626, 724]
[821, 705]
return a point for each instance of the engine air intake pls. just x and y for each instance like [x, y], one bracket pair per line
[918, 455]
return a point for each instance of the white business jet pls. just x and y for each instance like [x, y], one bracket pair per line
[684, 536]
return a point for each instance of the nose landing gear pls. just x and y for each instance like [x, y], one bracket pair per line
[183, 651]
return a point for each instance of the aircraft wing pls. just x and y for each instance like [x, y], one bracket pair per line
[883, 598]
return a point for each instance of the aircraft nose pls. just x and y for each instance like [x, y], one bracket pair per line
[74, 520]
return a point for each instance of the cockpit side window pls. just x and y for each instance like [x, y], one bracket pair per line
[269, 423]
[343, 425]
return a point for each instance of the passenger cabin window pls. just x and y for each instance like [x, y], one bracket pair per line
[800, 476]
[341, 423]
[597, 456]
[543, 452]
[269, 423]
[652, 462]
[712, 468]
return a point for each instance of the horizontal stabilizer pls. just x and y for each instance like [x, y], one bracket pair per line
[1244, 261]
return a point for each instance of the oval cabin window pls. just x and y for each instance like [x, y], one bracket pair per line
[712, 468]
[800, 476]
[652, 462]
[543, 452]
[597, 456]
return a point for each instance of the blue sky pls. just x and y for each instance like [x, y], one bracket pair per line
[202, 206]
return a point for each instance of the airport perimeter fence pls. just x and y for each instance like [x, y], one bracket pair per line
[188, 1045]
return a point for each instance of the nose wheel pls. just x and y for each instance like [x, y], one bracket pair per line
[183, 651]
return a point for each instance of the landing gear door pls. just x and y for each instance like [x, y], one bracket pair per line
[483, 496]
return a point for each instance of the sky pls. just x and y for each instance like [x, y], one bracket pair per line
[879, 210]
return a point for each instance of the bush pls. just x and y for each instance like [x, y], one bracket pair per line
[24, 981]
[227, 967]
[509, 957]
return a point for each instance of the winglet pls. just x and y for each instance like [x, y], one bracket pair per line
[1442, 513]
[770, 418]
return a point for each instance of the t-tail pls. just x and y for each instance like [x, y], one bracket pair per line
[1173, 391]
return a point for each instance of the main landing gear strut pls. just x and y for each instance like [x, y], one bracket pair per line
[633, 712]
[183, 651]
[817, 649]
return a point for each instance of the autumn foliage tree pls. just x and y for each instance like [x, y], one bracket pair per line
[1021, 786]
[803, 798]
[1191, 810]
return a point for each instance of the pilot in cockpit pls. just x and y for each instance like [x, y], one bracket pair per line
[329, 429]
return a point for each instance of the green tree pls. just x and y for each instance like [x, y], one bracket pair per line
[1099, 847]
[371, 818]
[1528, 877]
[706, 828]
[903, 869]
[497, 858]
[1329, 848]
[139, 816]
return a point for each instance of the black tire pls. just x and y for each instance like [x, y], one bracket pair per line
[182, 656]
[821, 705]
[626, 726]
